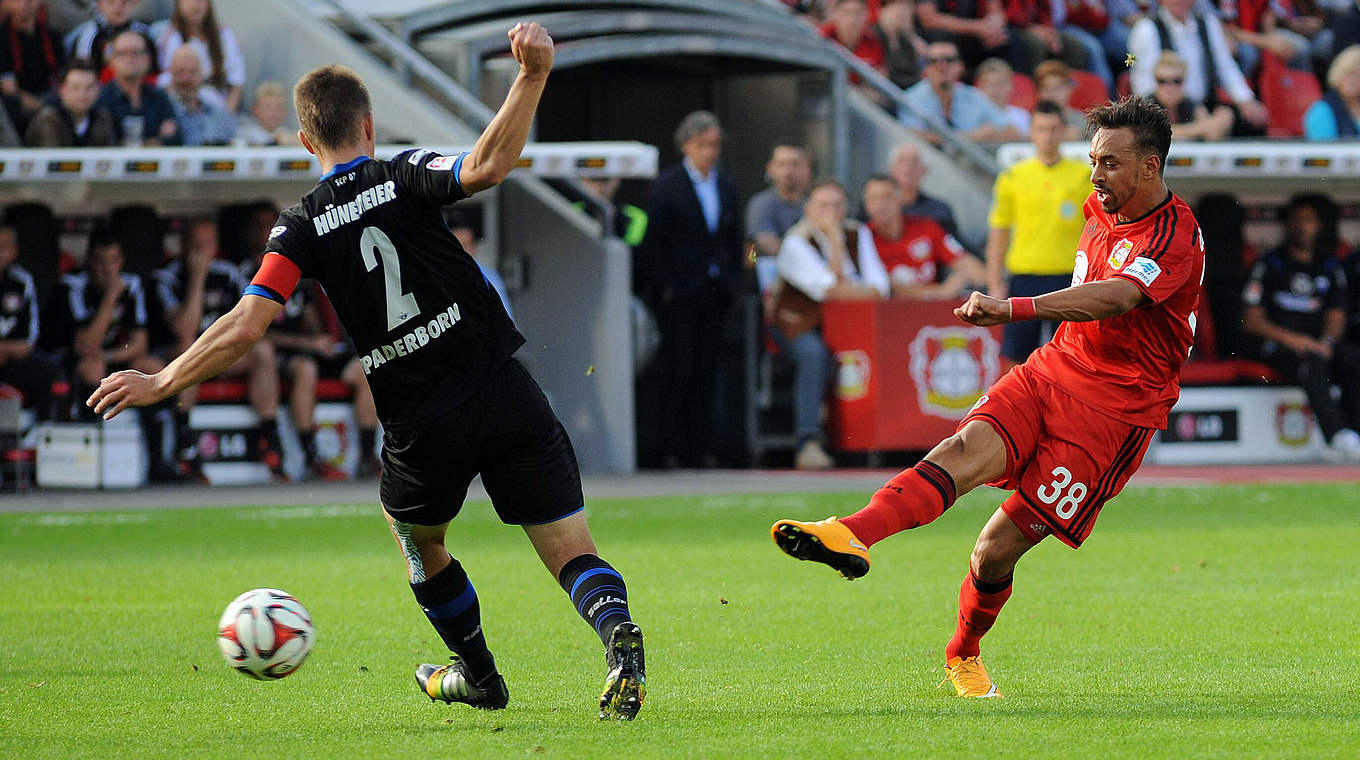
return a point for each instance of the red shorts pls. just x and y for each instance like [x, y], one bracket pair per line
[1064, 460]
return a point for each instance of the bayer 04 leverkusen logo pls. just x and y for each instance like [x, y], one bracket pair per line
[852, 375]
[1293, 423]
[951, 367]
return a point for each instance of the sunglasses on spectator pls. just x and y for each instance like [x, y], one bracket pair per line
[944, 59]
[1171, 81]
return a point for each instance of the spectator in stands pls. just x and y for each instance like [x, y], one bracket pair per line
[1084, 21]
[903, 47]
[75, 121]
[93, 39]
[961, 107]
[1189, 121]
[849, 25]
[463, 230]
[9, 134]
[194, 291]
[994, 79]
[1296, 308]
[1337, 115]
[915, 250]
[1031, 25]
[202, 115]
[1036, 222]
[977, 27]
[689, 267]
[1053, 83]
[142, 113]
[193, 25]
[1346, 25]
[96, 321]
[907, 170]
[772, 211]
[1199, 40]
[1295, 32]
[32, 372]
[267, 122]
[630, 222]
[31, 56]
[823, 258]
[1122, 14]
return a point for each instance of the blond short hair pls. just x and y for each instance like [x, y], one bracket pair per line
[1171, 59]
[270, 90]
[1346, 61]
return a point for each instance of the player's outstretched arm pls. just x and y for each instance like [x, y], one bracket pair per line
[1081, 303]
[499, 147]
[219, 347]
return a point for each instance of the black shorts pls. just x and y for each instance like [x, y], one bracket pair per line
[509, 434]
[327, 367]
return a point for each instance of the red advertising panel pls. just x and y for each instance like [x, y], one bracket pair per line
[906, 372]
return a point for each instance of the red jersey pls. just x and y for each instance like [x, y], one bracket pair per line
[915, 258]
[1129, 366]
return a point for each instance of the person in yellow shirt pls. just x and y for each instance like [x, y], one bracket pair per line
[1035, 222]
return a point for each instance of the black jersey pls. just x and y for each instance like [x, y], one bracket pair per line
[221, 289]
[18, 305]
[427, 326]
[76, 301]
[1296, 294]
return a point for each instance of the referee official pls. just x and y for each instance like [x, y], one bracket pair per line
[1035, 222]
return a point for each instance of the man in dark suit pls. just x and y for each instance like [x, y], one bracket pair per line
[689, 270]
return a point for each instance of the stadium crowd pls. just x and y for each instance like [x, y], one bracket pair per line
[144, 287]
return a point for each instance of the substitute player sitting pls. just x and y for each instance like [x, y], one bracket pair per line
[1066, 429]
[436, 345]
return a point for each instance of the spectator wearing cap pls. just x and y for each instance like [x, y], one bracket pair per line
[75, 120]
[1337, 115]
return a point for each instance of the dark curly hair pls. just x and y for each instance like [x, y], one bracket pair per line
[1145, 117]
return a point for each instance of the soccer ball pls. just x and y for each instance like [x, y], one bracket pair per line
[265, 633]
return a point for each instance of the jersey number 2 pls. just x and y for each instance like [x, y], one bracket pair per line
[400, 306]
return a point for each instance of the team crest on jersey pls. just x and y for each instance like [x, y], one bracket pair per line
[920, 248]
[441, 164]
[951, 367]
[852, 375]
[1121, 252]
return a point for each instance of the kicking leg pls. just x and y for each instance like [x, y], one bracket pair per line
[914, 497]
[986, 588]
[443, 590]
[601, 598]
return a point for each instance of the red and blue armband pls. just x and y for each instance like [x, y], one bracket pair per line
[275, 280]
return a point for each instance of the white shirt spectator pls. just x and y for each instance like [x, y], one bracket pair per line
[1146, 46]
[802, 266]
[168, 40]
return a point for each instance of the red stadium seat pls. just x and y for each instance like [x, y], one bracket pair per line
[1022, 91]
[1089, 90]
[1287, 93]
[1123, 86]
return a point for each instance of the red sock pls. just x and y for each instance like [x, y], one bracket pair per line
[979, 603]
[911, 499]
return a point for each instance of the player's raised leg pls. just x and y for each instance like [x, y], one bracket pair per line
[600, 596]
[914, 497]
[443, 590]
[984, 591]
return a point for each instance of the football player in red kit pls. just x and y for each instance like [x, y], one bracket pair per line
[1065, 430]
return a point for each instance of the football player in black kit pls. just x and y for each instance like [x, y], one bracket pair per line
[435, 343]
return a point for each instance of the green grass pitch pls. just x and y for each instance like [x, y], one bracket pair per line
[1196, 622]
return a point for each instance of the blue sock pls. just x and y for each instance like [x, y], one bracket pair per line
[450, 602]
[598, 591]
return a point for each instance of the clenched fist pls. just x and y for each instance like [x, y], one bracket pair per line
[532, 48]
[984, 311]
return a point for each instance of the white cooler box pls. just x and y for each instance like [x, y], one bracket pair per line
[90, 455]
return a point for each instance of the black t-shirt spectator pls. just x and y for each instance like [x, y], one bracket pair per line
[18, 305]
[32, 59]
[76, 301]
[1296, 294]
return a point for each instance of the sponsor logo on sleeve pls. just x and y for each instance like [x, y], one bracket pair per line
[442, 164]
[416, 155]
[1079, 267]
[277, 231]
[1143, 270]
